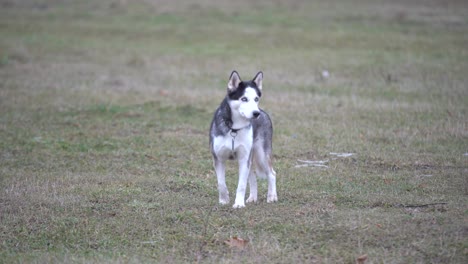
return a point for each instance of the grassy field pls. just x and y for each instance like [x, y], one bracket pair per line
[104, 115]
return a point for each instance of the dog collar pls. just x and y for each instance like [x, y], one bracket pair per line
[237, 130]
[233, 133]
[229, 125]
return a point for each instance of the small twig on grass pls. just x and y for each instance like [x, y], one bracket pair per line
[341, 154]
[148, 242]
[419, 205]
[150, 157]
[313, 163]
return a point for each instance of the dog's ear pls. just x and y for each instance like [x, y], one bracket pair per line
[258, 79]
[234, 81]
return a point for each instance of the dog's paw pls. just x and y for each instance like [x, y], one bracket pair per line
[224, 201]
[251, 199]
[238, 206]
[272, 198]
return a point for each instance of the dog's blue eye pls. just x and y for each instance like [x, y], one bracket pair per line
[244, 99]
[256, 99]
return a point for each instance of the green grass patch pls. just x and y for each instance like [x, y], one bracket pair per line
[105, 109]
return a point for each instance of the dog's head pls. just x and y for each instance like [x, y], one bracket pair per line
[244, 96]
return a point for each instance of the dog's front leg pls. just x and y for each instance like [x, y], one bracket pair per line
[220, 169]
[244, 168]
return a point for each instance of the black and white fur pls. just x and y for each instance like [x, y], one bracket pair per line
[242, 131]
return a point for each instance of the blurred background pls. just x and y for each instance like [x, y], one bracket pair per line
[105, 108]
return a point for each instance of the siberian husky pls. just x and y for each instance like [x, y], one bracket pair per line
[242, 131]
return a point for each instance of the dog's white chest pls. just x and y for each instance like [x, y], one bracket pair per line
[234, 145]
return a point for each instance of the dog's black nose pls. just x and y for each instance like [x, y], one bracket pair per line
[256, 114]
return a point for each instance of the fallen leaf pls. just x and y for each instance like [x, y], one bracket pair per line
[361, 259]
[236, 242]
[163, 93]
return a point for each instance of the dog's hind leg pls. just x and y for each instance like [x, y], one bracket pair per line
[253, 187]
[272, 196]
[264, 167]
[220, 169]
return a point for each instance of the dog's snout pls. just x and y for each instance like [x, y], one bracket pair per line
[256, 114]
